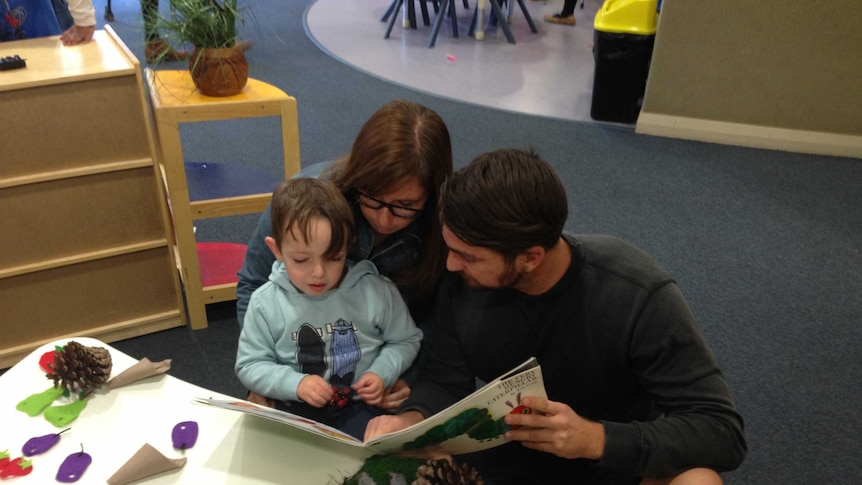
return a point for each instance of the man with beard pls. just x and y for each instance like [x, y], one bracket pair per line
[634, 393]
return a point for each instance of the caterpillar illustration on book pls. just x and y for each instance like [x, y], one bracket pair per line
[477, 423]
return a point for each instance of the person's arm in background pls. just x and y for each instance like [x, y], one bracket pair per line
[256, 267]
[84, 14]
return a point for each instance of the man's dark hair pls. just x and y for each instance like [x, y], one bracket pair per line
[507, 201]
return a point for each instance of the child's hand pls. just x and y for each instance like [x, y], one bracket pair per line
[314, 391]
[370, 388]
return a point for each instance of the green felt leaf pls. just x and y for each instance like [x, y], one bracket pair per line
[37, 403]
[62, 415]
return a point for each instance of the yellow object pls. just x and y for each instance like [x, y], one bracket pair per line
[627, 17]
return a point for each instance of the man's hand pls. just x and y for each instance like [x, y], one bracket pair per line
[555, 428]
[389, 423]
[77, 35]
[369, 387]
[395, 395]
[314, 391]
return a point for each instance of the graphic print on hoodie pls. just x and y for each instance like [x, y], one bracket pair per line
[344, 349]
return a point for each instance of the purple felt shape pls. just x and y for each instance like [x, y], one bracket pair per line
[73, 467]
[185, 434]
[40, 444]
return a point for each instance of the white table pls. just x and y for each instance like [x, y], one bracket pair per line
[231, 447]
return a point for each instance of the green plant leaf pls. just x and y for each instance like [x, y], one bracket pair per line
[201, 23]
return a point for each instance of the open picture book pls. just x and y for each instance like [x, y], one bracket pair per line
[472, 424]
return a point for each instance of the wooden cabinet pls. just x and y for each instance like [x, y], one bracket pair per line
[84, 227]
[206, 190]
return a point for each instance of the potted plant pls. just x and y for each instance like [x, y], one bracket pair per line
[217, 64]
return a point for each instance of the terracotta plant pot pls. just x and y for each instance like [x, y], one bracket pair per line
[219, 72]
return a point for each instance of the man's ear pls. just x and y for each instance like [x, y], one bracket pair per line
[273, 246]
[531, 258]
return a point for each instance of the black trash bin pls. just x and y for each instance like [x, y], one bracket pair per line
[622, 48]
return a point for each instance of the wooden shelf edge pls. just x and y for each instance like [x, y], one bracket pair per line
[115, 38]
[82, 258]
[219, 293]
[106, 333]
[75, 172]
[230, 206]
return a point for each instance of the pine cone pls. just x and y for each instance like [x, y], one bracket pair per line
[80, 368]
[446, 472]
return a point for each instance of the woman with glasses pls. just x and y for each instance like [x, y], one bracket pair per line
[392, 175]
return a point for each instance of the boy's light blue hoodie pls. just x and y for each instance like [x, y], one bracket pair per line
[361, 326]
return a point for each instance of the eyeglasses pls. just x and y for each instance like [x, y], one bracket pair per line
[396, 210]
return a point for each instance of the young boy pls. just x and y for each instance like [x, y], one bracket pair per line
[322, 337]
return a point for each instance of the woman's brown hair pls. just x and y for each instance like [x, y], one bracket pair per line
[401, 140]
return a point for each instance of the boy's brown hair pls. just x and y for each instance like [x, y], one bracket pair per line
[297, 202]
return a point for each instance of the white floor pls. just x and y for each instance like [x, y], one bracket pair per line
[549, 73]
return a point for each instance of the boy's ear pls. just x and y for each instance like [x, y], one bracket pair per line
[273, 246]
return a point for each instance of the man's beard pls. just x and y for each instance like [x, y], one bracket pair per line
[508, 279]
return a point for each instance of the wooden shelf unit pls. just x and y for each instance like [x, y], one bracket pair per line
[84, 230]
[175, 101]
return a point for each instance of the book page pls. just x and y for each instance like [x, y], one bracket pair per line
[284, 418]
[472, 424]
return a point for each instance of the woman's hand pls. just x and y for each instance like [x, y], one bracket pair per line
[395, 395]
